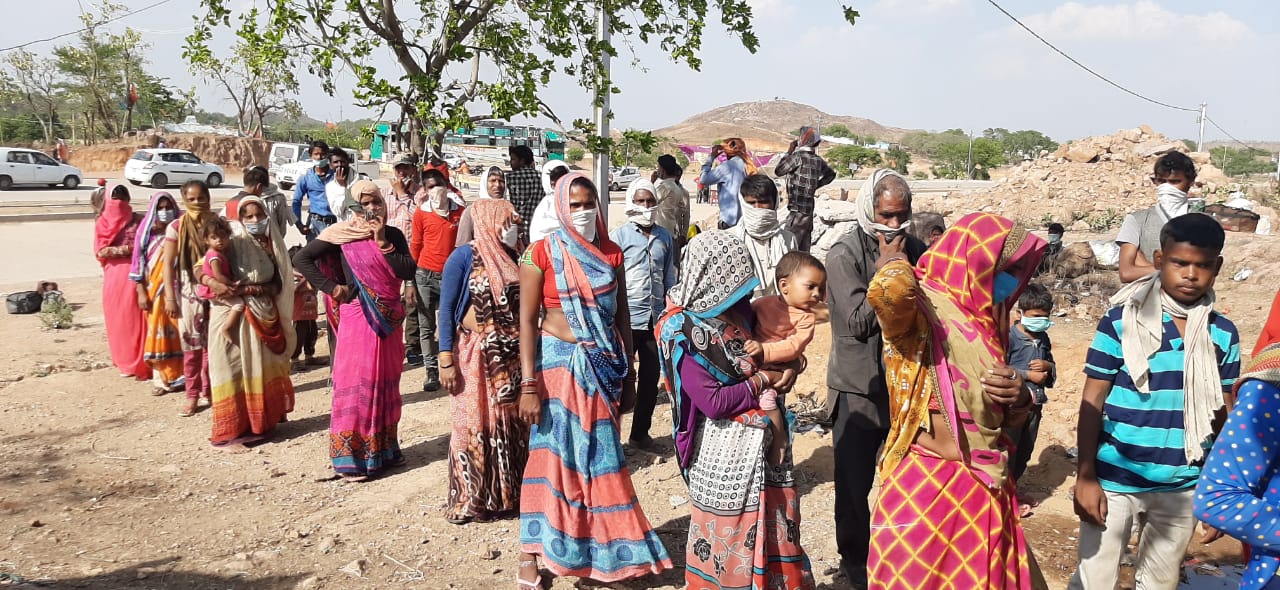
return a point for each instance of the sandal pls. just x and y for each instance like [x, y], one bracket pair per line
[188, 408]
[158, 391]
[522, 583]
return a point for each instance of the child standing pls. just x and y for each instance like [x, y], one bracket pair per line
[217, 266]
[1157, 372]
[306, 310]
[784, 325]
[1031, 353]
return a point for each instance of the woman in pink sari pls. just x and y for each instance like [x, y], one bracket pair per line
[363, 264]
[114, 232]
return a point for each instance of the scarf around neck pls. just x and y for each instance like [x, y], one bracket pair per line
[865, 206]
[1142, 332]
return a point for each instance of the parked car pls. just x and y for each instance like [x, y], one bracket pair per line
[290, 173]
[283, 154]
[20, 166]
[161, 167]
[622, 176]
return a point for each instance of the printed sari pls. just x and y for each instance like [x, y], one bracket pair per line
[578, 507]
[937, 522]
[124, 320]
[490, 444]
[252, 391]
[193, 319]
[744, 516]
[162, 346]
[364, 421]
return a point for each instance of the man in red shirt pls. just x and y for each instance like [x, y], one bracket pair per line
[435, 229]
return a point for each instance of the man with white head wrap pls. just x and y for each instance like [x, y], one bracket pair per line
[858, 400]
[759, 228]
[544, 217]
[648, 251]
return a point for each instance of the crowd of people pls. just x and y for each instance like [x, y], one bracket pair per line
[544, 328]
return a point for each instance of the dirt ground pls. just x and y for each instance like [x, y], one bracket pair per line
[104, 486]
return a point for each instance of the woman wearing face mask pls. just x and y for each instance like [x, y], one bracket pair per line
[114, 234]
[183, 249]
[362, 264]
[495, 187]
[249, 372]
[767, 242]
[162, 348]
[951, 396]
[649, 251]
[578, 507]
[480, 367]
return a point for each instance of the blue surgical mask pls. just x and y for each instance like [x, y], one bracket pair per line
[257, 229]
[1036, 324]
[164, 215]
[1005, 285]
[1055, 238]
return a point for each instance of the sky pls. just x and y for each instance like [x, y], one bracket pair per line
[921, 64]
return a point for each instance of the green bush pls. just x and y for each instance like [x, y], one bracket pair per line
[575, 154]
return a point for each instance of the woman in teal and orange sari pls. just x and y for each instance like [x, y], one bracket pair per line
[744, 521]
[363, 264]
[162, 344]
[578, 507]
[947, 515]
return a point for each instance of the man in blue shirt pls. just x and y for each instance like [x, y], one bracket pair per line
[312, 186]
[648, 252]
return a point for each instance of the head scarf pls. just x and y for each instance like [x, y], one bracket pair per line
[137, 271]
[544, 219]
[965, 329]
[715, 276]
[490, 217]
[668, 164]
[734, 147]
[484, 191]
[256, 264]
[809, 138]
[865, 205]
[115, 216]
[1142, 330]
[358, 188]
[190, 245]
[637, 185]
[588, 286]
[547, 169]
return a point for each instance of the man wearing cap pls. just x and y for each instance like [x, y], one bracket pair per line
[805, 172]
[673, 202]
[406, 193]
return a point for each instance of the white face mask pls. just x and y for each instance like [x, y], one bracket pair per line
[256, 229]
[510, 235]
[164, 215]
[585, 222]
[1172, 199]
[642, 217]
[759, 223]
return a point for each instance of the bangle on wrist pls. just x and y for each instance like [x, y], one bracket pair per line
[448, 366]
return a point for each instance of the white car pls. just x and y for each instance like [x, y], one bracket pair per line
[19, 166]
[620, 178]
[161, 167]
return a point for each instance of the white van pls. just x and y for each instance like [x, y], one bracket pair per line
[286, 153]
[288, 174]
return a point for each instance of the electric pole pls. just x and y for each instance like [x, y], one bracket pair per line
[600, 169]
[1204, 106]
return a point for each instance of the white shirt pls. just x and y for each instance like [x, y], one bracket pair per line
[338, 197]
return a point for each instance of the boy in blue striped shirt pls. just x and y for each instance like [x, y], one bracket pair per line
[1157, 372]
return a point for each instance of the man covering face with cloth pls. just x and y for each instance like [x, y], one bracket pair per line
[858, 400]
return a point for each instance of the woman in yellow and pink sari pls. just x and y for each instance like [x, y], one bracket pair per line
[162, 346]
[946, 515]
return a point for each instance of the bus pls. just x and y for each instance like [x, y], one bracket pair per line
[487, 142]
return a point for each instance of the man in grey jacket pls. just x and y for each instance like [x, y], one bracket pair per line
[858, 400]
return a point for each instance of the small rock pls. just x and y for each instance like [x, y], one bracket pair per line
[308, 582]
[238, 565]
[355, 568]
[490, 554]
[141, 575]
[678, 501]
[327, 545]
[36, 524]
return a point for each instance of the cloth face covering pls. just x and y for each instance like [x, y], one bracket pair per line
[865, 208]
[585, 222]
[1172, 200]
[760, 223]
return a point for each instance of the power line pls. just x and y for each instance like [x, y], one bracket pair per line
[1086, 68]
[97, 24]
[1224, 132]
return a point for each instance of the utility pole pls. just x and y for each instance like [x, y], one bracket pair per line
[1204, 106]
[600, 169]
[968, 166]
[819, 125]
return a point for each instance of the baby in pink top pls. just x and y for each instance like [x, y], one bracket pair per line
[216, 265]
[784, 327]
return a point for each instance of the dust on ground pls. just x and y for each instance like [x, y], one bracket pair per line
[104, 486]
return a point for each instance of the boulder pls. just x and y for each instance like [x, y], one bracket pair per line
[1073, 261]
[1082, 152]
[1156, 147]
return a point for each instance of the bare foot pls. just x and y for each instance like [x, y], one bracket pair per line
[232, 447]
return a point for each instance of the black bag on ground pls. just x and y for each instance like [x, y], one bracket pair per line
[23, 302]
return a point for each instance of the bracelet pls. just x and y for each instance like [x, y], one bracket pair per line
[529, 381]
[445, 367]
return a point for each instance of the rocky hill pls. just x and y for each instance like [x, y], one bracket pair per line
[767, 125]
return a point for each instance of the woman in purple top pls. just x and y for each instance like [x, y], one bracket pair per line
[744, 525]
